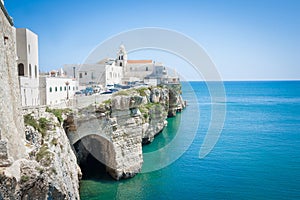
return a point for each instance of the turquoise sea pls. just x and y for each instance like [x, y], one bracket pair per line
[256, 157]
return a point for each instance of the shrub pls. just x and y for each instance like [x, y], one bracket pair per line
[108, 101]
[142, 91]
[44, 155]
[24, 178]
[122, 92]
[57, 113]
[41, 126]
[29, 120]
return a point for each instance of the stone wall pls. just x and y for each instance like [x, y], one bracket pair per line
[11, 120]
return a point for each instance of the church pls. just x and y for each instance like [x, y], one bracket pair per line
[120, 70]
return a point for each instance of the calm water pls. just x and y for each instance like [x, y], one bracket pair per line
[256, 157]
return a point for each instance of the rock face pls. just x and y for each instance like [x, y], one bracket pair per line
[114, 131]
[11, 123]
[51, 171]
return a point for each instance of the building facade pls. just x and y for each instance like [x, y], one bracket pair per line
[28, 66]
[118, 70]
[105, 72]
[56, 89]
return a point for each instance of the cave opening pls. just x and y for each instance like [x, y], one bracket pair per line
[91, 167]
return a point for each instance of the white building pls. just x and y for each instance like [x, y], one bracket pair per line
[105, 72]
[56, 89]
[120, 70]
[160, 75]
[28, 66]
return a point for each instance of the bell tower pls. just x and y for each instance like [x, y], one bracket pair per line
[122, 57]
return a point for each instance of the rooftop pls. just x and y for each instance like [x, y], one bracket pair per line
[139, 61]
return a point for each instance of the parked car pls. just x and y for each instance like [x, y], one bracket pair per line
[106, 92]
[78, 93]
[89, 91]
[113, 90]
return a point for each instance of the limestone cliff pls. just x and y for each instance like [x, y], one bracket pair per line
[113, 132]
[51, 171]
[11, 123]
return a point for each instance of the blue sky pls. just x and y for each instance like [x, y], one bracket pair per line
[246, 39]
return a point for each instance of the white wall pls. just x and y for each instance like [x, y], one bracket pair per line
[114, 74]
[86, 73]
[55, 91]
[27, 53]
[137, 71]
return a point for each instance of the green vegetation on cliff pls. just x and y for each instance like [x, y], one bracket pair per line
[41, 125]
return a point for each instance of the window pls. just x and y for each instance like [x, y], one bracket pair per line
[5, 40]
[80, 75]
[29, 48]
[69, 87]
[147, 69]
[55, 89]
[35, 71]
[21, 69]
[121, 64]
[30, 74]
[85, 73]
[60, 88]
[65, 88]
[73, 88]
[50, 89]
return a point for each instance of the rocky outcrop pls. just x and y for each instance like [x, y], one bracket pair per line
[50, 171]
[114, 131]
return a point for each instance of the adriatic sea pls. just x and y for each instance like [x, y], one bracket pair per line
[257, 155]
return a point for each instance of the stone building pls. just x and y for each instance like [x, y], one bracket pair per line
[11, 123]
[28, 66]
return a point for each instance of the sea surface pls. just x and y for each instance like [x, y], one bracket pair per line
[257, 155]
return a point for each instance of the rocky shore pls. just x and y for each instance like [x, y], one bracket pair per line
[113, 131]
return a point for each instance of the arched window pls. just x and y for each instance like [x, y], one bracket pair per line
[60, 88]
[21, 69]
[55, 89]
[30, 74]
[50, 89]
[147, 69]
[35, 71]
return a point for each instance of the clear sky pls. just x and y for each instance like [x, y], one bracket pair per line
[246, 39]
